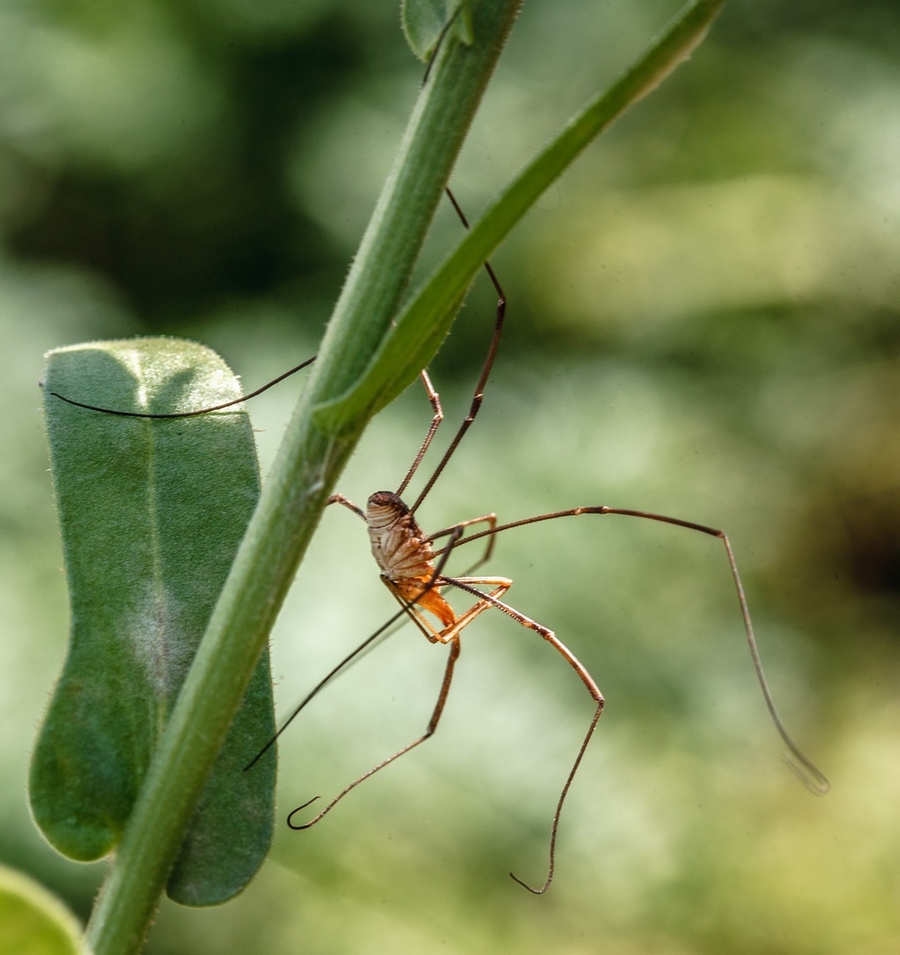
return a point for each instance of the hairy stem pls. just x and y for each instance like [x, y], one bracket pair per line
[302, 477]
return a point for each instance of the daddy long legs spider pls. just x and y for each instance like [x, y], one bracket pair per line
[412, 567]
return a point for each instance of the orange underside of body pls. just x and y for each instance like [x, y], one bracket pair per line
[413, 590]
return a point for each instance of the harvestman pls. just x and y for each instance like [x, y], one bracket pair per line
[412, 570]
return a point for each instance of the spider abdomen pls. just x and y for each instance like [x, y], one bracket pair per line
[404, 555]
[397, 540]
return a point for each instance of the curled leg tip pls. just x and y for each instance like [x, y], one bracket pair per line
[809, 774]
[293, 812]
[531, 888]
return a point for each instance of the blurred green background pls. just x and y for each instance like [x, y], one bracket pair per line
[703, 322]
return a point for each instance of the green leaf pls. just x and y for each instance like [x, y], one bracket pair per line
[426, 21]
[152, 512]
[33, 921]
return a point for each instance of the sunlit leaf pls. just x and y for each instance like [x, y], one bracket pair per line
[151, 513]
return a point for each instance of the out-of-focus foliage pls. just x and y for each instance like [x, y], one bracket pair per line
[703, 321]
[32, 920]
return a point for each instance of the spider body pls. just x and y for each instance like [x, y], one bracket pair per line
[405, 557]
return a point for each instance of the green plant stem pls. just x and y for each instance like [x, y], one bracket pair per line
[297, 490]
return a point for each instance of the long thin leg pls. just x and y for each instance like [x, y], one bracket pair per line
[434, 397]
[429, 731]
[477, 398]
[437, 417]
[449, 635]
[332, 673]
[188, 414]
[800, 764]
[346, 502]
[485, 371]
[469, 585]
[489, 519]
[432, 394]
